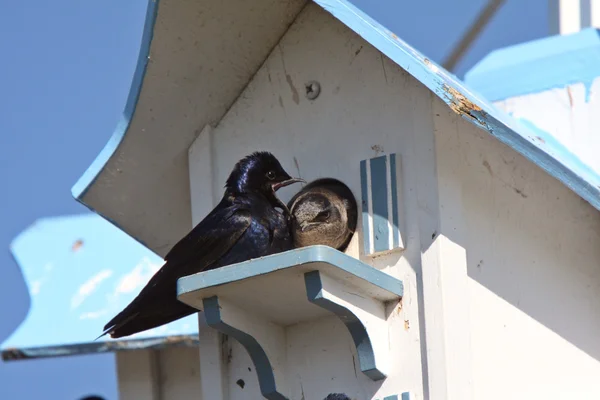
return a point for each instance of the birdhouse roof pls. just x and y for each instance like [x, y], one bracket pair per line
[80, 271]
[195, 60]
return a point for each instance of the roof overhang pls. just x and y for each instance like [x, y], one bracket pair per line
[196, 58]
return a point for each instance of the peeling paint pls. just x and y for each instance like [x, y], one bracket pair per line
[460, 104]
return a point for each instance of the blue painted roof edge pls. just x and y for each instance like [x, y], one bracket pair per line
[536, 145]
[89, 176]
[539, 65]
[80, 188]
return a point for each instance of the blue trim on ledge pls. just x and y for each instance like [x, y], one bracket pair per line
[90, 175]
[289, 259]
[262, 365]
[360, 337]
[539, 65]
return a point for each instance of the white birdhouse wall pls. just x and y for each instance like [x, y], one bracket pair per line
[160, 374]
[498, 259]
[366, 108]
[519, 269]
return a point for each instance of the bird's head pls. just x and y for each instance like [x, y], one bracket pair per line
[324, 213]
[260, 172]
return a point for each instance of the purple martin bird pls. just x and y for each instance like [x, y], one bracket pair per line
[324, 212]
[243, 226]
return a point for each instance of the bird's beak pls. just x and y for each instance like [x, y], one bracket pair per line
[287, 182]
[279, 185]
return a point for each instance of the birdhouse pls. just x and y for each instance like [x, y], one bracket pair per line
[473, 268]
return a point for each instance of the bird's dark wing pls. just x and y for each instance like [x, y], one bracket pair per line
[212, 237]
[201, 247]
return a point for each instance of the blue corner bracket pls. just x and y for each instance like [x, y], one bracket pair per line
[318, 281]
[362, 342]
[262, 365]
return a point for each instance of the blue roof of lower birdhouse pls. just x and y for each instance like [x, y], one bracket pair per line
[80, 271]
[539, 65]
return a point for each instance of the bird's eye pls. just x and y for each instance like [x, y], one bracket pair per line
[271, 175]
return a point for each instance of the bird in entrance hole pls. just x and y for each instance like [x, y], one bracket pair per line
[244, 225]
[324, 212]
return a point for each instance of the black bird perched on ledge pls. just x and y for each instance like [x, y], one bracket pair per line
[324, 212]
[244, 225]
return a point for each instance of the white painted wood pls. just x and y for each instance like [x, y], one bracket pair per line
[179, 374]
[213, 361]
[369, 311]
[594, 12]
[565, 16]
[401, 203]
[500, 265]
[444, 278]
[138, 375]
[565, 113]
[532, 259]
[570, 16]
[282, 292]
[270, 336]
[200, 166]
[241, 372]
[166, 374]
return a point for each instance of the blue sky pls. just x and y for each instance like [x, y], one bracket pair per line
[65, 71]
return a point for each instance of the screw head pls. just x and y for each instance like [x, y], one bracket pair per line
[313, 89]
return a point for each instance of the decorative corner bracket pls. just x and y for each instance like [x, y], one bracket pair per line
[263, 340]
[363, 317]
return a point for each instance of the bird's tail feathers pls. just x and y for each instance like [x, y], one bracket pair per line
[116, 323]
